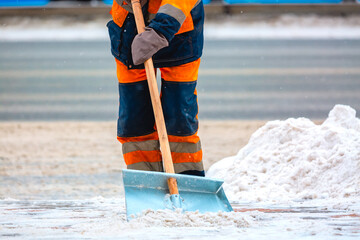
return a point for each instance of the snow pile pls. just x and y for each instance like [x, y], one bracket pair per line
[296, 159]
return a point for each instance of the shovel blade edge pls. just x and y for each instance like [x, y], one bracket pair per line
[149, 190]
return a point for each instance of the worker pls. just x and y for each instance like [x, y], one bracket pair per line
[173, 36]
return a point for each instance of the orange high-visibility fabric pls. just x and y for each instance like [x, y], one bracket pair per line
[126, 76]
[186, 157]
[118, 13]
[142, 156]
[184, 73]
[191, 139]
[154, 6]
[188, 25]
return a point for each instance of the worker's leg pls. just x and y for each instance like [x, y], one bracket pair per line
[136, 121]
[179, 102]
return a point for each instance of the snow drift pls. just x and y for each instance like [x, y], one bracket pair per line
[296, 159]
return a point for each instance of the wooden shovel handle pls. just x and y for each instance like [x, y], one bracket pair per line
[156, 103]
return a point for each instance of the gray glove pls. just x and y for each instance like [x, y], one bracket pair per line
[128, 6]
[146, 44]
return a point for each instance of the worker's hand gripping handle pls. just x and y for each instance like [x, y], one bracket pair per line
[156, 103]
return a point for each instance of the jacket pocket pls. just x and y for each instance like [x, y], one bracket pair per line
[115, 33]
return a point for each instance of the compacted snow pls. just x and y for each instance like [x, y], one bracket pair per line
[296, 159]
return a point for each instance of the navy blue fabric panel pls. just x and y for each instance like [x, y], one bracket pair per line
[166, 25]
[180, 107]
[184, 51]
[194, 173]
[136, 117]
[115, 38]
[198, 33]
[129, 33]
[121, 39]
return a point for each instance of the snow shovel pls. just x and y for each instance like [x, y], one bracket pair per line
[157, 190]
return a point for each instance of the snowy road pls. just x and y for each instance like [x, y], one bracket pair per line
[239, 79]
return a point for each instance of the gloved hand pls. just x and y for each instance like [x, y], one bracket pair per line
[146, 44]
[127, 6]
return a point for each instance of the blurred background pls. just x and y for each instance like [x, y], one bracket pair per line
[263, 59]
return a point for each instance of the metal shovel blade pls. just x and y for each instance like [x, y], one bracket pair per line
[149, 190]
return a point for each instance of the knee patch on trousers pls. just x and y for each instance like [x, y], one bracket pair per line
[179, 103]
[136, 117]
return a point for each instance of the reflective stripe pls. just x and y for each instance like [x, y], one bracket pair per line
[150, 145]
[157, 166]
[142, 156]
[182, 167]
[174, 12]
[147, 166]
[185, 147]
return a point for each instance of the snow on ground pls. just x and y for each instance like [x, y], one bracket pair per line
[287, 26]
[104, 218]
[296, 160]
[310, 172]
[100, 217]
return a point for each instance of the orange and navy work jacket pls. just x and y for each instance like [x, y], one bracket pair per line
[180, 21]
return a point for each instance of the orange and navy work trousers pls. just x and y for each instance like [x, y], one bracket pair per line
[136, 123]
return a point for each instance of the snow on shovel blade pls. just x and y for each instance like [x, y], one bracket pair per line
[149, 190]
